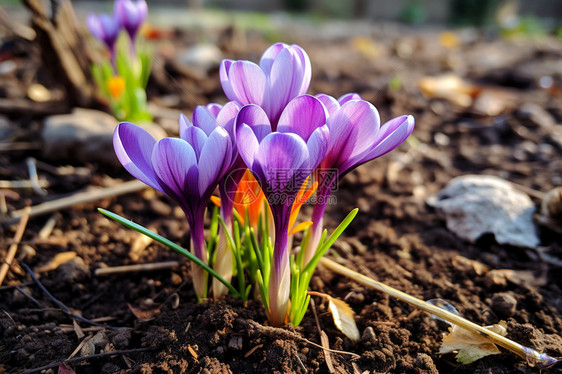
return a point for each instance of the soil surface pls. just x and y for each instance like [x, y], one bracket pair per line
[152, 320]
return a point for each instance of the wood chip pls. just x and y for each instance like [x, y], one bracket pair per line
[192, 351]
[77, 329]
[253, 350]
[14, 247]
[327, 355]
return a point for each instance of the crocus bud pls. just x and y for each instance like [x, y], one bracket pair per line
[131, 15]
[105, 28]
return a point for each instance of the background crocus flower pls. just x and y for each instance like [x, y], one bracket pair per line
[105, 28]
[284, 73]
[131, 15]
[355, 138]
[281, 161]
[187, 169]
[208, 118]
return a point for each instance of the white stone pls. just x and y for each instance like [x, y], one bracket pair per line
[474, 205]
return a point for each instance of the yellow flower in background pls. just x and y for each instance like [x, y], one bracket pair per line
[449, 40]
[116, 86]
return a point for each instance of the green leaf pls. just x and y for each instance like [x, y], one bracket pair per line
[331, 239]
[143, 230]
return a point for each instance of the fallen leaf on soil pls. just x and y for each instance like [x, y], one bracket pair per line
[470, 346]
[58, 260]
[344, 318]
[449, 87]
[463, 262]
[65, 369]
[493, 101]
[145, 313]
[519, 277]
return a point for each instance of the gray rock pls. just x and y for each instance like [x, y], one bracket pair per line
[203, 57]
[85, 135]
[474, 205]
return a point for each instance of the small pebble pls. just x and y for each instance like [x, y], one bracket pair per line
[368, 335]
[235, 343]
[504, 304]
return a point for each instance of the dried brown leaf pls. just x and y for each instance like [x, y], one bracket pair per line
[58, 260]
[145, 313]
[470, 345]
[519, 277]
[344, 318]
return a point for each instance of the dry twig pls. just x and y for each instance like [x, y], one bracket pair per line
[136, 268]
[63, 307]
[79, 198]
[14, 247]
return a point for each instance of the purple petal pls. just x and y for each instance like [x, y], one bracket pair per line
[247, 143]
[133, 147]
[173, 159]
[306, 68]
[214, 109]
[215, 160]
[248, 83]
[196, 138]
[391, 135]
[302, 116]
[131, 15]
[348, 97]
[204, 119]
[329, 103]
[317, 146]
[94, 25]
[255, 117]
[226, 116]
[283, 158]
[184, 124]
[283, 81]
[353, 129]
[224, 72]
[269, 56]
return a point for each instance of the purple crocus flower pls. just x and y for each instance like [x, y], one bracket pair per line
[131, 15]
[281, 161]
[187, 169]
[207, 118]
[105, 28]
[356, 137]
[284, 73]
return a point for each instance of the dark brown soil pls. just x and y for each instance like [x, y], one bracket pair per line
[395, 238]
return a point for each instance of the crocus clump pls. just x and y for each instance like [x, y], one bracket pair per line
[281, 161]
[284, 138]
[123, 76]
